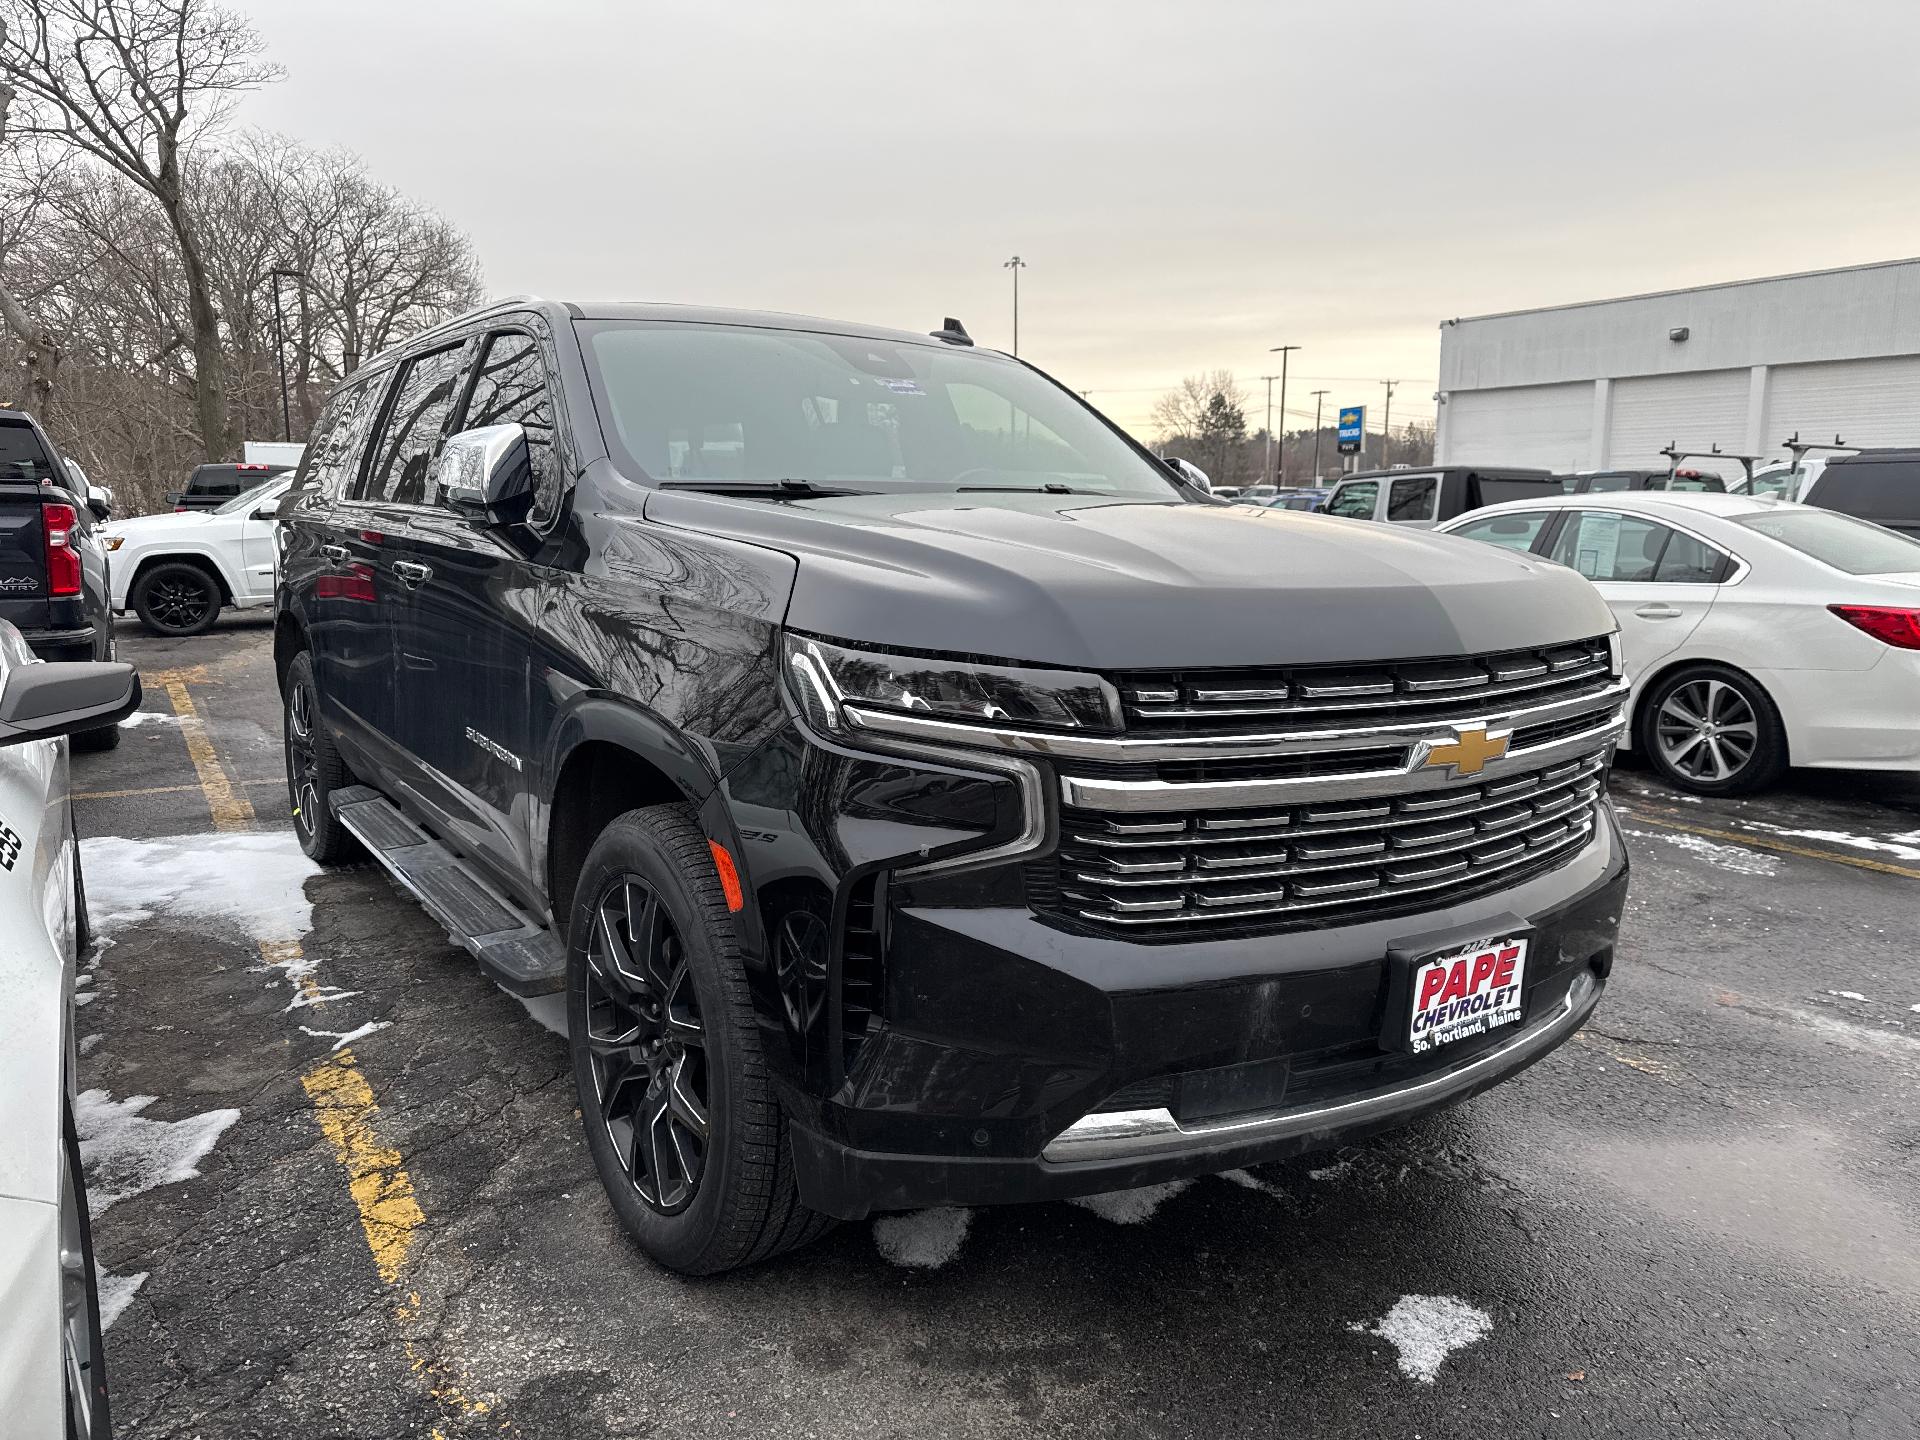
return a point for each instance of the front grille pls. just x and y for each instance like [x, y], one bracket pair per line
[1178, 874]
[1310, 697]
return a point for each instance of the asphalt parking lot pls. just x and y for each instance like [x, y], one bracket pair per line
[346, 1194]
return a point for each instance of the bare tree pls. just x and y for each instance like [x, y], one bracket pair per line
[135, 84]
[1206, 414]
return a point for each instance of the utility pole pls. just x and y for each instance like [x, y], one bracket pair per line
[1386, 428]
[1266, 466]
[274, 277]
[1016, 265]
[1281, 457]
[1319, 398]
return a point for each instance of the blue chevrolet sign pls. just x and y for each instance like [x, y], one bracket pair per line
[1353, 428]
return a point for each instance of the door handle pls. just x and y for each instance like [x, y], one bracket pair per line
[412, 575]
[1657, 611]
[335, 553]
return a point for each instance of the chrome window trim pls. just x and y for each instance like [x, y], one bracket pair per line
[1138, 1134]
[1067, 746]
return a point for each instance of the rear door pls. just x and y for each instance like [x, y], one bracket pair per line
[467, 638]
[1658, 581]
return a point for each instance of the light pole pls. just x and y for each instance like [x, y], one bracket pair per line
[280, 346]
[1319, 398]
[1266, 468]
[1281, 457]
[1016, 265]
[1386, 428]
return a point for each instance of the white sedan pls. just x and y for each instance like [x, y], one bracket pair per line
[176, 571]
[1759, 633]
[52, 1376]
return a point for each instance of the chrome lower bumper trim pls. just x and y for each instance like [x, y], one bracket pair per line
[1145, 1134]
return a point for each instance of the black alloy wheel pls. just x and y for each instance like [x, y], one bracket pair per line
[177, 599]
[314, 770]
[648, 1045]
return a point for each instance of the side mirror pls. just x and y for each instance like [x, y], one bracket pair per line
[487, 472]
[266, 512]
[38, 702]
[100, 502]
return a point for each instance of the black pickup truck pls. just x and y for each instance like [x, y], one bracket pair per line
[920, 796]
[53, 562]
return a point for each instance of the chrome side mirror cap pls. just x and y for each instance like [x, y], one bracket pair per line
[487, 472]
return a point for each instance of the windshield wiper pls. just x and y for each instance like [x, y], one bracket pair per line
[769, 489]
[1050, 488]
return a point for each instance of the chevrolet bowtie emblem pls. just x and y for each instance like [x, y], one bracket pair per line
[1467, 753]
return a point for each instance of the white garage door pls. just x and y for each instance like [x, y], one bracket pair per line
[1694, 411]
[1865, 402]
[1549, 426]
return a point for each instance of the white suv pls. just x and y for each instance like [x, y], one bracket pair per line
[176, 571]
[52, 1378]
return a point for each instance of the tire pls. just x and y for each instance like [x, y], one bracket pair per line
[92, 742]
[314, 770]
[1712, 730]
[176, 598]
[735, 1201]
[82, 1351]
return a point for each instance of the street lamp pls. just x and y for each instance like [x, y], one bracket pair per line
[1280, 459]
[1016, 265]
[280, 344]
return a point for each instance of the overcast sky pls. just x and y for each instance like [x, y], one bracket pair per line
[1190, 183]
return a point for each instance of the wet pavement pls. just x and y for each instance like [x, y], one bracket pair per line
[1699, 1218]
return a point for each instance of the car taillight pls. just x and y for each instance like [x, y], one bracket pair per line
[1895, 626]
[63, 561]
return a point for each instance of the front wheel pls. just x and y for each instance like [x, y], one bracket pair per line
[314, 770]
[1713, 730]
[680, 1116]
[80, 1344]
[176, 599]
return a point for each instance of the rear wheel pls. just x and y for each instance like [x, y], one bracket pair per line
[175, 598]
[80, 1344]
[1712, 730]
[314, 770]
[679, 1113]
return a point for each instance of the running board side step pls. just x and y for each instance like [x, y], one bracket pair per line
[519, 955]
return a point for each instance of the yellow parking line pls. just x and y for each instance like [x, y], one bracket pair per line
[162, 790]
[1764, 842]
[230, 807]
[382, 1189]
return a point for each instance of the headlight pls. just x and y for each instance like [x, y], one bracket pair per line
[1617, 663]
[829, 677]
[114, 542]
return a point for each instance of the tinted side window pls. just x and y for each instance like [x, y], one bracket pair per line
[509, 387]
[1603, 546]
[1514, 532]
[1607, 484]
[1355, 501]
[1883, 490]
[1687, 561]
[1415, 498]
[410, 437]
[337, 436]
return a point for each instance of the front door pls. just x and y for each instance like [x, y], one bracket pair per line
[466, 642]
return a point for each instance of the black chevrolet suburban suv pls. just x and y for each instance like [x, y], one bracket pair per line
[921, 797]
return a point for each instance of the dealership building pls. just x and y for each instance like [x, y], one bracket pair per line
[1610, 383]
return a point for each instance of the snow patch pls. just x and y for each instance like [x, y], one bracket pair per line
[126, 1154]
[1892, 847]
[922, 1239]
[1732, 858]
[1849, 995]
[1858, 1036]
[1331, 1172]
[85, 997]
[549, 1012]
[1914, 1008]
[343, 1038]
[1426, 1329]
[115, 1292]
[317, 995]
[1247, 1180]
[87, 1042]
[255, 883]
[1130, 1207]
[149, 717]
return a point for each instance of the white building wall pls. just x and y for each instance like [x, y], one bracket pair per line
[1651, 412]
[1545, 425]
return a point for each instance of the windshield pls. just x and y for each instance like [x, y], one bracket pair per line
[260, 495]
[719, 404]
[1855, 546]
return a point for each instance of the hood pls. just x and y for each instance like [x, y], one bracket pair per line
[140, 525]
[1091, 583]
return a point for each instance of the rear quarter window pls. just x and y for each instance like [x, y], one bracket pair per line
[1847, 544]
[22, 456]
[1885, 490]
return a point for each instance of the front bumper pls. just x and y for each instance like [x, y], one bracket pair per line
[1022, 1063]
